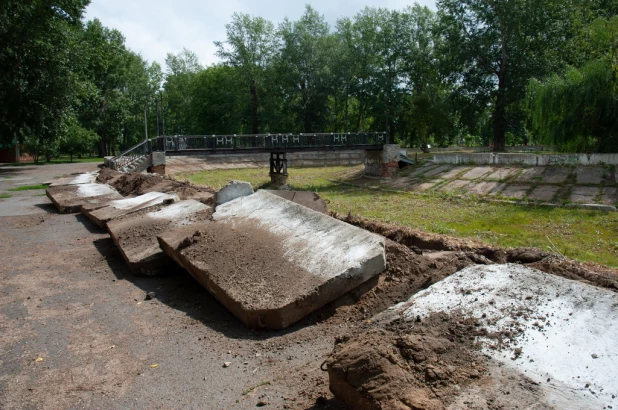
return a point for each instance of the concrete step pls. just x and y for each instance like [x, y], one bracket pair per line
[126, 206]
[271, 261]
[135, 234]
[71, 198]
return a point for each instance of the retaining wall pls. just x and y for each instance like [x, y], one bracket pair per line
[526, 159]
[295, 159]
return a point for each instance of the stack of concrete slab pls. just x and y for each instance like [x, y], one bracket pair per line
[271, 261]
[120, 207]
[71, 198]
[135, 234]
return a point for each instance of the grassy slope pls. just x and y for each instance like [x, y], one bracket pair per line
[579, 234]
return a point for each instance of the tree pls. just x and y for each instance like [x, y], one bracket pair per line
[578, 110]
[494, 48]
[37, 61]
[250, 47]
[182, 69]
[77, 140]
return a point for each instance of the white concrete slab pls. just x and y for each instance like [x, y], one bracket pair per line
[70, 198]
[563, 333]
[319, 258]
[120, 207]
[85, 178]
[135, 234]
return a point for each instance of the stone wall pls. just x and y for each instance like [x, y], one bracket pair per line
[526, 159]
[382, 163]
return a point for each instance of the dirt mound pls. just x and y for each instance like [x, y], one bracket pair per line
[480, 253]
[420, 369]
[133, 184]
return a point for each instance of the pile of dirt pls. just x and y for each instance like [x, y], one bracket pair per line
[480, 253]
[401, 368]
[134, 184]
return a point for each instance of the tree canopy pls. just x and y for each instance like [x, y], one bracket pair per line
[473, 72]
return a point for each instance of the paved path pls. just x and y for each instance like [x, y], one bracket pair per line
[553, 184]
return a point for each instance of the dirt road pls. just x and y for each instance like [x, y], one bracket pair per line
[76, 332]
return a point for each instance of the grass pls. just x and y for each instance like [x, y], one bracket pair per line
[28, 188]
[5, 196]
[579, 234]
[59, 160]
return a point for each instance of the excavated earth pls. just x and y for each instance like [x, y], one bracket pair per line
[191, 338]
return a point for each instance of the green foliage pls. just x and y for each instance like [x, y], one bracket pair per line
[77, 141]
[578, 110]
[39, 147]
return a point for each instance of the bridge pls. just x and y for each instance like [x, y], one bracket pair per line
[151, 153]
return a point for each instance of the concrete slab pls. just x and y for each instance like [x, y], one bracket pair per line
[135, 234]
[556, 175]
[531, 174]
[425, 186]
[558, 332]
[589, 175]
[515, 191]
[312, 258]
[232, 190]
[610, 196]
[309, 199]
[453, 172]
[477, 172]
[120, 207]
[86, 178]
[455, 185]
[486, 188]
[544, 193]
[70, 198]
[584, 194]
[425, 168]
[436, 171]
[502, 174]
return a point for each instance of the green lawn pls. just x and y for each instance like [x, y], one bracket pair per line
[580, 234]
[28, 188]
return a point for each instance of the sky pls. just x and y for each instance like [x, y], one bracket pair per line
[154, 28]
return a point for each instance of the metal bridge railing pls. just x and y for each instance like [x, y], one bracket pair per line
[140, 152]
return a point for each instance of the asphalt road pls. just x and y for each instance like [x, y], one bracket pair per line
[76, 332]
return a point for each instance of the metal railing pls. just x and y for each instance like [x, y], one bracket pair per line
[272, 141]
[260, 142]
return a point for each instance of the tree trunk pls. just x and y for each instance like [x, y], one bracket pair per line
[255, 126]
[500, 117]
[17, 153]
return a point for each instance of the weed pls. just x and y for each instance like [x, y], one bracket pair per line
[5, 196]
[28, 188]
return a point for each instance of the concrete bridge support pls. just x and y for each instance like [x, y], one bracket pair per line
[382, 163]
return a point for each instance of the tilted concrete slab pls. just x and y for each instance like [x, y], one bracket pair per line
[70, 198]
[456, 185]
[454, 172]
[543, 193]
[86, 178]
[135, 234]
[590, 175]
[231, 191]
[584, 194]
[530, 174]
[305, 198]
[434, 172]
[559, 333]
[610, 196]
[556, 175]
[271, 261]
[515, 191]
[126, 206]
[477, 172]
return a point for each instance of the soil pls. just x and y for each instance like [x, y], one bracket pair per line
[255, 281]
[135, 235]
[134, 184]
